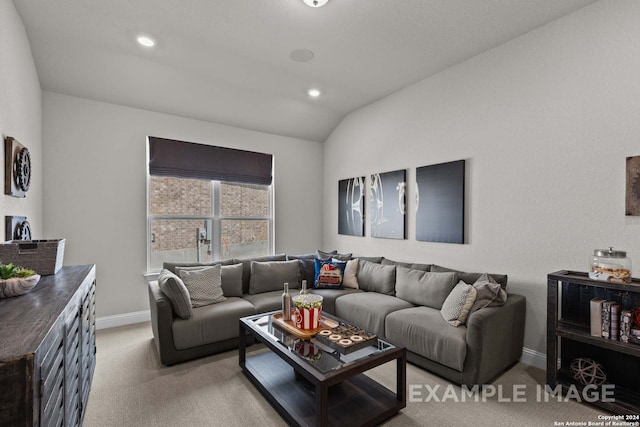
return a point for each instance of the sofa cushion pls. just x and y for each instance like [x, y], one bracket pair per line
[456, 307]
[368, 310]
[471, 277]
[376, 277]
[204, 285]
[266, 301]
[374, 259]
[350, 278]
[246, 267]
[333, 254]
[272, 275]
[489, 293]
[423, 331]
[329, 297]
[173, 287]
[423, 287]
[409, 265]
[329, 274]
[211, 323]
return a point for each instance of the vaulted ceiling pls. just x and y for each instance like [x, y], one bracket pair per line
[229, 61]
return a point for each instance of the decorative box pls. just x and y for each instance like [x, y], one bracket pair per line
[42, 256]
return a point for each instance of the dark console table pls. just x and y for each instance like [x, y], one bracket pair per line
[47, 350]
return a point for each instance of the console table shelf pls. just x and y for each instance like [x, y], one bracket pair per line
[569, 336]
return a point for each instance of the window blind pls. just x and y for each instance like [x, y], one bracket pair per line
[169, 157]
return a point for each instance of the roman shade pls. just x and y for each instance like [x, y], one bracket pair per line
[168, 157]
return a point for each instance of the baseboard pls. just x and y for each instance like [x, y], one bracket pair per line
[534, 358]
[123, 319]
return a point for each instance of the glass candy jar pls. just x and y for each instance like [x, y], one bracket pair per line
[609, 265]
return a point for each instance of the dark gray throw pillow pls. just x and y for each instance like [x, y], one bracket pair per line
[423, 287]
[271, 276]
[490, 293]
[232, 280]
[173, 287]
[376, 277]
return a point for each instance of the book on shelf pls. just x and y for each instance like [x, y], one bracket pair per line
[606, 318]
[615, 322]
[625, 325]
[596, 316]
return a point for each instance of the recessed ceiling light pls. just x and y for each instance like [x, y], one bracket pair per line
[315, 3]
[314, 93]
[145, 41]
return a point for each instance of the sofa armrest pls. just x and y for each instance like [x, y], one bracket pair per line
[495, 336]
[161, 320]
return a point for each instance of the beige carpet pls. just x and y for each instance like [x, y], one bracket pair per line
[131, 388]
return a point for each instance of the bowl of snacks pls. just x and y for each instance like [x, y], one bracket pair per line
[307, 309]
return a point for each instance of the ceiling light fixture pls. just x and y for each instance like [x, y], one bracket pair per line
[145, 41]
[314, 93]
[315, 3]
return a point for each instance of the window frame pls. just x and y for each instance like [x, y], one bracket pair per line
[216, 221]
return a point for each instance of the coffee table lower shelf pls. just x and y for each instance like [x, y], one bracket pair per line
[357, 401]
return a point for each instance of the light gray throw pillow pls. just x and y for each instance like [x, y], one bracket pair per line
[423, 287]
[490, 293]
[376, 277]
[471, 277]
[271, 276]
[457, 306]
[173, 287]
[204, 285]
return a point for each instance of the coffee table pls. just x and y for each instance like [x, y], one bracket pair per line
[310, 384]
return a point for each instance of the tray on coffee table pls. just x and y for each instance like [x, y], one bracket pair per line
[305, 334]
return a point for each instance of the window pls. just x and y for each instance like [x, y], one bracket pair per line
[203, 220]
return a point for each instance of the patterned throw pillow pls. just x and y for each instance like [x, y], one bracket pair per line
[204, 285]
[329, 274]
[457, 305]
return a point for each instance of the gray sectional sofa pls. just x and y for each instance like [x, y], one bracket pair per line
[401, 302]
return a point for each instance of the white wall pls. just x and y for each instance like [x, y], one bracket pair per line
[545, 123]
[95, 188]
[20, 114]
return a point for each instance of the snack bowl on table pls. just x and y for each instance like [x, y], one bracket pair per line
[307, 311]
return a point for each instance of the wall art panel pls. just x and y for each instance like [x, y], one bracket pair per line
[351, 206]
[387, 215]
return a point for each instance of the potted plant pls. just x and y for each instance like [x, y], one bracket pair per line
[16, 280]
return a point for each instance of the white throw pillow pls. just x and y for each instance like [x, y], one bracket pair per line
[204, 285]
[350, 279]
[458, 304]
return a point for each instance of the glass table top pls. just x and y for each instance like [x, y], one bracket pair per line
[316, 354]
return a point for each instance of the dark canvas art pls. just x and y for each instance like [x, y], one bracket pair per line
[633, 186]
[440, 199]
[351, 206]
[387, 206]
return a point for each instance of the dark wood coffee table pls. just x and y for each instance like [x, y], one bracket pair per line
[310, 384]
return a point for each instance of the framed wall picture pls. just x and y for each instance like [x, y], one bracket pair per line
[387, 215]
[17, 168]
[351, 206]
[440, 202]
[633, 186]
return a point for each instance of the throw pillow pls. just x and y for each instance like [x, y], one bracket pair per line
[471, 277]
[350, 279]
[377, 277]
[423, 287]
[490, 293]
[173, 287]
[329, 274]
[204, 285]
[333, 254]
[455, 309]
[272, 275]
[409, 265]
[231, 276]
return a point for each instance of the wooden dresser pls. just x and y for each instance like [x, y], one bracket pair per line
[48, 350]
